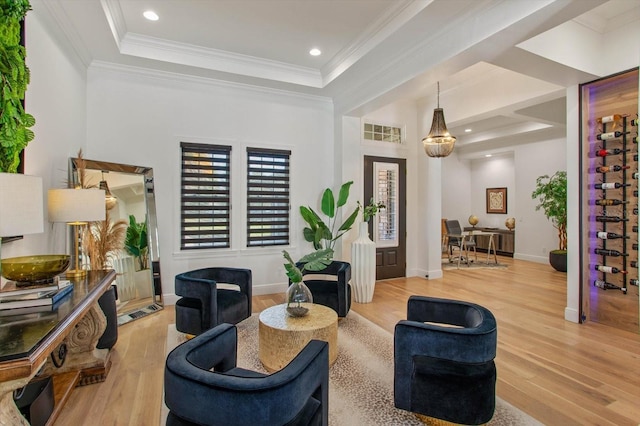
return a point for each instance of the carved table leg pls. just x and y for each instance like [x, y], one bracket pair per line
[9, 413]
[83, 355]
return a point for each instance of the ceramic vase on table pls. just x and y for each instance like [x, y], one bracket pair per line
[363, 265]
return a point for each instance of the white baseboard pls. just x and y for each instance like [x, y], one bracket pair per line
[571, 314]
[531, 258]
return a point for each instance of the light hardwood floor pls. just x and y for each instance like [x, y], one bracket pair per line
[559, 372]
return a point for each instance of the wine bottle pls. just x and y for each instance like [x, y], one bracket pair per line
[635, 211]
[607, 169]
[610, 185]
[635, 175]
[609, 135]
[609, 269]
[605, 285]
[635, 157]
[635, 192]
[634, 263]
[609, 235]
[610, 219]
[634, 139]
[634, 282]
[634, 246]
[605, 252]
[633, 122]
[609, 202]
[615, 151]
[635, 228]
[608, 118]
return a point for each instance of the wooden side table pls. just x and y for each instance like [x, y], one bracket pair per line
[282, 337]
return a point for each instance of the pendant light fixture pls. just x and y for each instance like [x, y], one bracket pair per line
[438, 143]
[110, 200]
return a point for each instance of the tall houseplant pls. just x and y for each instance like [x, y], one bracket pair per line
[136, 243]
[551, 193]
[15, 123]
[324, 235]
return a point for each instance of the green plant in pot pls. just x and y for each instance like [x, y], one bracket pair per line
[15, 123]
[298, 294]
[136, 241]
[551, 193]
[324, 235]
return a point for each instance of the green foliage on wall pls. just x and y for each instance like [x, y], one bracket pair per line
[15, 123]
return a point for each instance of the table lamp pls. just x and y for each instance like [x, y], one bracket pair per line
[76, 207]
[21, 206]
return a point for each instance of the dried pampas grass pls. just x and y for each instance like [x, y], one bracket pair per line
[103, 241]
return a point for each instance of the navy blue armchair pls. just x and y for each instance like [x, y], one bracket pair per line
[333, 293]
[203, 385]
[446, 372]
[204, 305]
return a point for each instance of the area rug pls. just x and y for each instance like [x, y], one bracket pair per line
[480, 264]
[360, 381]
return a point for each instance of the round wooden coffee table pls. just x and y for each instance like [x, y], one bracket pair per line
[282, 337]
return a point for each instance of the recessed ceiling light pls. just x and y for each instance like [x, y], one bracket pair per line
[487, 155]
[315, 52]
[151, 15]
[467, 130]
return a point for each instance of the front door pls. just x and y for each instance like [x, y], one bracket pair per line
[385, 180]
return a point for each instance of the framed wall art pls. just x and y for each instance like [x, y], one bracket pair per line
[497, 200]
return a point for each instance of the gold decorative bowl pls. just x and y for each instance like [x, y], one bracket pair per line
[35, 269]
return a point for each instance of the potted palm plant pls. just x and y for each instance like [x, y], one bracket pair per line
[551, 193]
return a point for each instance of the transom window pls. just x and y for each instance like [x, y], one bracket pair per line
[205, 202]
[267, 197]
[377, 132]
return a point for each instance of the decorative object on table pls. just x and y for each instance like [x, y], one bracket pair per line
[438, 143]
[551, 193]
[136, 242]
[15, 123]
[473, 220]
[510, 223]
[444, 361]
[76, 207]
[38, 269]
[321, 234]
[43, 298]
[21, 206]
[206, 302]
[298, 293]
[497, 200]
[363, 255]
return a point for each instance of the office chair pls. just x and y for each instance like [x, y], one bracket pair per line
[457, 240]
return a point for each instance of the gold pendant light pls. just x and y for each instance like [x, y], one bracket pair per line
[438, 143]
[110, 200]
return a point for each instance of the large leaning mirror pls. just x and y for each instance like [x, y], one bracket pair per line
[130, 203]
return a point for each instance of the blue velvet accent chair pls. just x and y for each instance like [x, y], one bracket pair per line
[333, 293]
[446, 372]
[204, 305]
[203, 385]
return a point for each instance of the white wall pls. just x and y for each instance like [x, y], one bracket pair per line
[56, 98]
[493, 172]
[137, 117]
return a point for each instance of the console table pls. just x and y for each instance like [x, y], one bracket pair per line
[27, 340]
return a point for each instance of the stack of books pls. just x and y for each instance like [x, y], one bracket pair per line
[17, 300]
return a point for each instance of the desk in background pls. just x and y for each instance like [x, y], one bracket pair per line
[503, 239]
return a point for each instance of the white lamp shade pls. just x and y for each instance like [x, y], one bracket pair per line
[21, 206]
[76, 205]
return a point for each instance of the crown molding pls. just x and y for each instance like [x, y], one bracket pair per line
[180, 78]
[218, 60]
[396, 16]
[115, 19]
[58, 21]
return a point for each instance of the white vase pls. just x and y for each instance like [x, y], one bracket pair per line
[363, 260]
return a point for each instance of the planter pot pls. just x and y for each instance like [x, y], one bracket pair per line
[558, 259]
[363, 266]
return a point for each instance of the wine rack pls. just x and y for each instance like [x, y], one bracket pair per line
[613, 189]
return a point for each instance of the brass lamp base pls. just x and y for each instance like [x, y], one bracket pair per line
[76, 273]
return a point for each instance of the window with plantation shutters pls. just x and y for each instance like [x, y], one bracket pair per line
[205, 201]
[267, 197]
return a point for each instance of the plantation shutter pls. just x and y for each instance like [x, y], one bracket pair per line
[267, 197]
[205, 201]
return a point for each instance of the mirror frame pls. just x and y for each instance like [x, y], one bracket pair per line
[152, 227]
